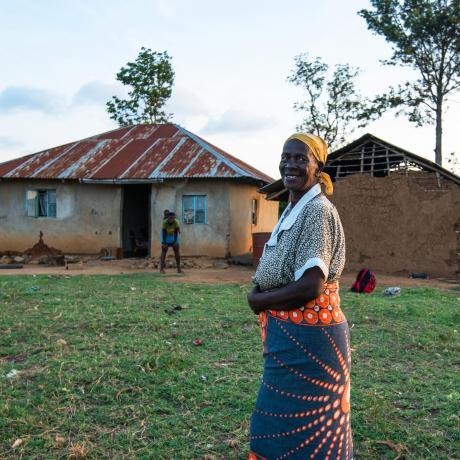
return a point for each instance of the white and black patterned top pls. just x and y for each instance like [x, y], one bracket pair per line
[307, 235]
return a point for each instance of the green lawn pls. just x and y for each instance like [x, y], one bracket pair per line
[107, 369]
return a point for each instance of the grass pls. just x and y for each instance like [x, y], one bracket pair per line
[107, 369]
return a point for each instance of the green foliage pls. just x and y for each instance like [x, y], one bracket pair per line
[453, 163]
[282, 207]
[424, 35]
[333, 107]
[106, 369]
[150, 79]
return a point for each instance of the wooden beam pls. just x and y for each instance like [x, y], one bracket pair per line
[358, 157]
[275, 195]
[372, 160]
[388, 161]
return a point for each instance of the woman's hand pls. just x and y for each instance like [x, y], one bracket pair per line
[288, 297]
[254, 300]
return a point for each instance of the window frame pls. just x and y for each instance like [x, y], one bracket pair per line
[195, 199]
[37, 192]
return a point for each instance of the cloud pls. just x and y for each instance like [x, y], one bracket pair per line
[185, 103]
[96, 93]
[238, 121]
[7, 142]
[16, 98]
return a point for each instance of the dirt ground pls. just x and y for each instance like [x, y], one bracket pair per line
[230, 274]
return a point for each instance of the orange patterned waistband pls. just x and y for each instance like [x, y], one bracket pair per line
[322, 311]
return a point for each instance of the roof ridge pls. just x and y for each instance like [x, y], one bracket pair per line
[211, 150]
[232, 161]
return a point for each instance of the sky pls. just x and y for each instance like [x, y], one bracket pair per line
[58, 65]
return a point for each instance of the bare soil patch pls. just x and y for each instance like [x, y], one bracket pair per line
[206, 274]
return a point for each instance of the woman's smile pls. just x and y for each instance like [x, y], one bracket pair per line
[292, 179]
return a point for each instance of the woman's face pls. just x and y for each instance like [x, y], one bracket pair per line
[298, 167]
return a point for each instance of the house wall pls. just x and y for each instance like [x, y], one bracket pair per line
[241, 226]
[88, 217]
[228, 229]
[400, 224]
[211, 238]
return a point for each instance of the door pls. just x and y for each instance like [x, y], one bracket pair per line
[136, 220]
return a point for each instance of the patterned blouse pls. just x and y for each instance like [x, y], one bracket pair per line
[307, 235]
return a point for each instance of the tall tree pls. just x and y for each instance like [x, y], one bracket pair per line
[333, 107]
[453, 163]
[150, 78]
[424, 35]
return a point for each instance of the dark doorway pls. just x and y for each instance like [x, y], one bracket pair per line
[136, 220]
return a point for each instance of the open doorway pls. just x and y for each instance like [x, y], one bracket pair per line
[136, 220]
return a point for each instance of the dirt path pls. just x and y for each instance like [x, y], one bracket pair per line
[232, 274]
[242, 275]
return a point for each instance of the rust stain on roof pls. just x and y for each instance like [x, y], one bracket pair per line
[165, 151]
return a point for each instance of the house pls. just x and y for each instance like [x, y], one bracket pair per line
[400, 212]
[110, 190]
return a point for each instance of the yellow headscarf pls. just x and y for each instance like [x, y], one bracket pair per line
[319, 150]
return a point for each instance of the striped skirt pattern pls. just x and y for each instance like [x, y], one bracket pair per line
[303, 406]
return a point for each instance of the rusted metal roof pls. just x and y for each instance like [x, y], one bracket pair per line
[140, 152]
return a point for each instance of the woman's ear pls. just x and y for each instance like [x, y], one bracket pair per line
[320, 167]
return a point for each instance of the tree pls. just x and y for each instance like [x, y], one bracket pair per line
[424, 35]
[150, 78]
[453, 163]
[333, 107]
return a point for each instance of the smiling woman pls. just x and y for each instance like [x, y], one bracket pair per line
[303, 406]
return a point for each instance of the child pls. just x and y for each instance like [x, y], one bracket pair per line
[170, 230]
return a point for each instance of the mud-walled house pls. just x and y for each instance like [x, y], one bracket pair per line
[400, 212]
[111, 190]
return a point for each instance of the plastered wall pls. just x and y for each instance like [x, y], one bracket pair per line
[210, 238]
[241, 217]
[88, 217]
[228, 229]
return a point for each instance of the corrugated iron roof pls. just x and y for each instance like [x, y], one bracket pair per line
[139, 152]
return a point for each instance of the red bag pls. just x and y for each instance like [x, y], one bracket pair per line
[365, 281]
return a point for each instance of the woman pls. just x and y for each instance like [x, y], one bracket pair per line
[303, 406]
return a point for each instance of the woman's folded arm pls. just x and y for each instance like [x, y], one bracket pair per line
[291, 296]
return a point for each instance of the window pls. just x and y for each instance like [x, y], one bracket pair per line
[194, 209]
[41, 203]
[254, 211]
